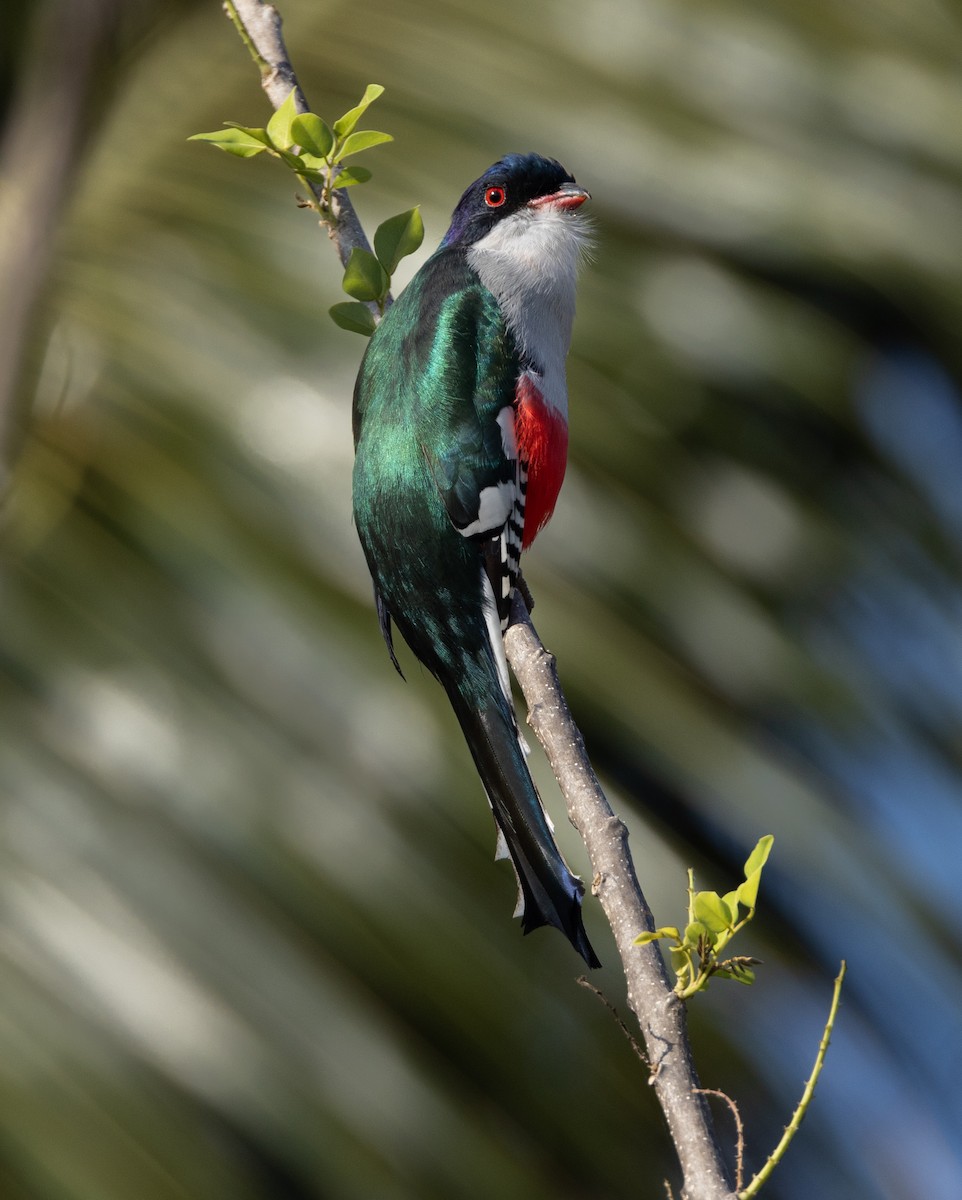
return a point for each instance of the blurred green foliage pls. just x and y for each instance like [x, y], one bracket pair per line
[253, 944]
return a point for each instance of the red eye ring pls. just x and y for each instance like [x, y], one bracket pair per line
[494, 197]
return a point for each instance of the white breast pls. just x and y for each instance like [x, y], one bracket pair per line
[529, 261]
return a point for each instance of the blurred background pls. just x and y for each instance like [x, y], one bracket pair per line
[253, 943]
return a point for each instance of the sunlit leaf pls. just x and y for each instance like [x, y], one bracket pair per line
[665, 931]
[344, 125]
[312, 135]
[259, 135]
[362, 140]
[695, 931]
[748, 891]
[712, 911]
[759, 856]
[279, 126]
[233, 140]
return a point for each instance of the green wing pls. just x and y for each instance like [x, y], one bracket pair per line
[439, 373]
[431, 471]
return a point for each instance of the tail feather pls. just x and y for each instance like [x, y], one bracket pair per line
[549, 894]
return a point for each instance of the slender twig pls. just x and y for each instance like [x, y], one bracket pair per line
[792, 1127]
[739, 1132]
[660, 1014]
[234, 17]
[585, 982]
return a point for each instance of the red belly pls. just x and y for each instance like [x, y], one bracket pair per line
[542, 437]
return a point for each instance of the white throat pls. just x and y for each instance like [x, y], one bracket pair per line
[529, 261]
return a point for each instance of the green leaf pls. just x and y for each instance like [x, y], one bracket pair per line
[344, 125]
[279, 126]
[232, 140]
[759, 856]
[364, 277]
[681, 964]
[259, 134]
[294, 161]
[363, 140]
[352, 176]
[356, 317]
[748, 891]
[312, 135]
[694, 933]
[398, 236]
[731, 899]
[712, 911]
[666, 931]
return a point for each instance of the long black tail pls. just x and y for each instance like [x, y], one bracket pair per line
[549, 893]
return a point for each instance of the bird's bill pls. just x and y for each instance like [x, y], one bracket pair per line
[569, 195]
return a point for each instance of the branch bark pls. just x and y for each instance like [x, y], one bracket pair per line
[660, 1014]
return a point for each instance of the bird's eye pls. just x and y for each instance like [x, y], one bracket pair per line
[494, 197]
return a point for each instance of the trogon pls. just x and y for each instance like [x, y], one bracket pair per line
[461, 438]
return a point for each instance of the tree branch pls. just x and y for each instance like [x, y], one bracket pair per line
[798, 1116]
[259, 26]
[660, 1013]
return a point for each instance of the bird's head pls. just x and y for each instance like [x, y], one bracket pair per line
[516, 193]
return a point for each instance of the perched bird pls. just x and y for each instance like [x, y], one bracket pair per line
[461, 437]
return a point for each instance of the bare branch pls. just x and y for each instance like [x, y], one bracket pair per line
[739, 1134]
[585, 982]
[798, 1116]
[661, 1015]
